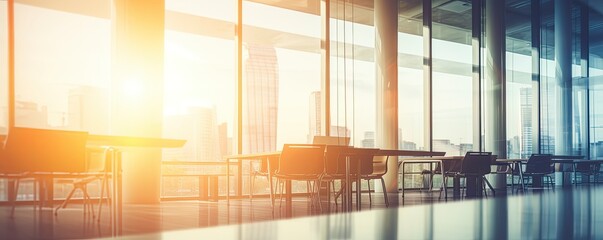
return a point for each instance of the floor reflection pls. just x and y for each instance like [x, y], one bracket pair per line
[565, 213]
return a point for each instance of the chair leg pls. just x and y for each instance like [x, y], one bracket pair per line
[489, 186]
[317, 184]
[271, 190]
[368, 181]
[64, 204]
[384, 192]
[13, 199]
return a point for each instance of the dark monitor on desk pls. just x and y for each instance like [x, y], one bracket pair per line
[331, 140]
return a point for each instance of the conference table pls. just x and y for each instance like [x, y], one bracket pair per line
[349, 154]
[114, 143]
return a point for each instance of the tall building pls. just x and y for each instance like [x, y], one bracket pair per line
[525, 103]
[28, 114]
[315, 116]
[88, 110]
[260, 94]
[198, 127]
[369, 140]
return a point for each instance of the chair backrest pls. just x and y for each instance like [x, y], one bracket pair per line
[334, 159]
[365, 156]
[43, 150]
[476, 163]
[539, 163]
[302, 159]
[331, 140]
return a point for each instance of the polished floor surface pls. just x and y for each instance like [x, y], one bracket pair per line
[565, 213]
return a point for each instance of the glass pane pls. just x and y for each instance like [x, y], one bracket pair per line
[71, 55]
[353, 83]
[281, 78]
[596, 86]
[411, 109]
[452, 78]
[199, 89]
[519, 80]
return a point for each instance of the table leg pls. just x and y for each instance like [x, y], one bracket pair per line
[348, 185]
[358, 186]
[443, 177]
[523, 184]
[456, 187]
[270, 182]
[288, 198]
[403, 163]
[227, 181]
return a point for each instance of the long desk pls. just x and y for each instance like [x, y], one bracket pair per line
[113, 142]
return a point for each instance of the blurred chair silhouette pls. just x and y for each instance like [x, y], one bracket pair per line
[379, 170]
[477, 165]
[334, 169]
[265, 168]
[14, 177]
[98, 167]
[44, 154]
[539, 165]
[588, 169]
[303, 162]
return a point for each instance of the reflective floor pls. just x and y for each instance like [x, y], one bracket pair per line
[565, 213]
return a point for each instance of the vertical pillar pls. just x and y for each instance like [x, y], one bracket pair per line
[325, 96]
[427, 77]
[535, 21]
[137, 95]
[476, 44]
[386, 61]
[585, 74]
[495, 109]
[563, 77]
[11, 62]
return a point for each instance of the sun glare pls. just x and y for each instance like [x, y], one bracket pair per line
[133, 88]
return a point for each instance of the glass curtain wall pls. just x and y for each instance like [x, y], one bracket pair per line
[353, 93]
[411, 94]
[281, 78]
[199, 89]
[519, 90]
[595, 83]
[452, 77]
[62, 70]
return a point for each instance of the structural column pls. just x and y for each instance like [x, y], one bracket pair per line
[563, 77]
[495, 109]
[137, 95]
[386, 62]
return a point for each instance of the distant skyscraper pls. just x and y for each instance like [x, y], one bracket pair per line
[223, 139]
[315, 116]
[260, 95]
[88, 109]
[525, 101]
[27, 114]
[369, 140]
[198, 127]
